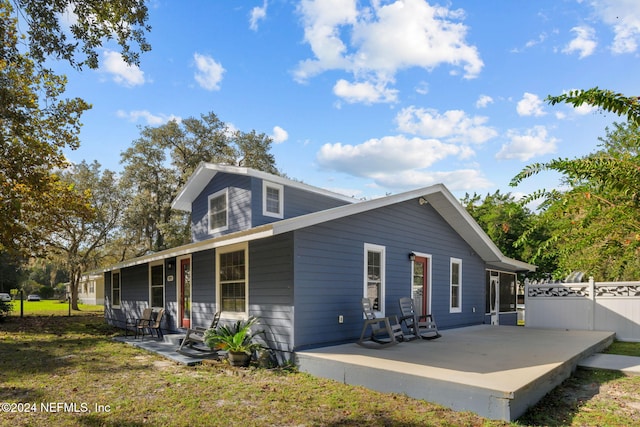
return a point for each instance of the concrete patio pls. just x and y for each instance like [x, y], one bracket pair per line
[494, 371]
[167, 346]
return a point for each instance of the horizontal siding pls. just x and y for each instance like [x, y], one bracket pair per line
[239, 206]
[134, 295]
[271, 289]
[329, 271]
[203, 293]
[297, 202]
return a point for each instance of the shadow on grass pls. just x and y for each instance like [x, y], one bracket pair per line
[20, 394]
[42, 344]
[562, 404]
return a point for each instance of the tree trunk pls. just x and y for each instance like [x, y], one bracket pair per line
[73, 285]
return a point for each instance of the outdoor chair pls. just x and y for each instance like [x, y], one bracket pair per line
[151, 324]
[196, 335]
[135, 323]
[385, 331]
[156, 324]
[420, 326]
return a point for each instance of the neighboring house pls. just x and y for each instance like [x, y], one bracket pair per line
[90, 288]
[302, 258]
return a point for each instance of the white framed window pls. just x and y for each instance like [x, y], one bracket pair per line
[219, 211]
[455, 289]
[156, 284]
[115, 288]
[272, 200]
[232, 287]
[374, 276]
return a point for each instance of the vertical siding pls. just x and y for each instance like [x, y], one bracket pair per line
[271, 289]
[239, 206]
[329, 269]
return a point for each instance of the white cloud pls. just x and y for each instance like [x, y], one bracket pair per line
[257, 14]
[422, 88]
[209, 72]
[541, 38]
[530, 105]
[365, 92]
[122, 73]
[401, 163]
[584, 43]
[452, 125]
[146, 116]
[389, 154]
[585, 109]
[534, 142]
[483, 101]
[374, 43]
[624, 18]
[279, 135]
[457, 180]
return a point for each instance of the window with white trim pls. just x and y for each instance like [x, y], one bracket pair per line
[156, 285]
[374, 276]
[455, 285]
[232, 271]
[115, 289]
[219, 211]
[272, 200]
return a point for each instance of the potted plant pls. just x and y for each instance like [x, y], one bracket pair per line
[236, 339]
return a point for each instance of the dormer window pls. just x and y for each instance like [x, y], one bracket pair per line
[218, 211]
[272, 200]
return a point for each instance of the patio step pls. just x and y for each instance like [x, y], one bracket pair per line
[173, 339]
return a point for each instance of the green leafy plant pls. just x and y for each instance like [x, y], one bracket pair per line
[236, 338]
[5, 309]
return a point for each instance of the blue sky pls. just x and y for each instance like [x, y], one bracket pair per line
[375, 97]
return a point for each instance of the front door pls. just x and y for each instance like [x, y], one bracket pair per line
[185, 293]
[420, 288]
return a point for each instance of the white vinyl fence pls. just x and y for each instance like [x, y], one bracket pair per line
[602, 306]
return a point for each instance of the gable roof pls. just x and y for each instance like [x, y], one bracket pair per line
[438, 196]
[442, 201]
[205, 172]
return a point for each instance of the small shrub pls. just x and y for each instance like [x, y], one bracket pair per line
[5, 309]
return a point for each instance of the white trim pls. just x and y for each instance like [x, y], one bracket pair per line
[429, 259]
[178, 273]
[226, 212]
[457, 309]
[369, 247]
[437, 196]
[266, 185]
[164, 285]
[119, 272]
[206, 171]
[223, 250]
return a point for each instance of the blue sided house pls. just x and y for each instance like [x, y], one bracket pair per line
[302, 258]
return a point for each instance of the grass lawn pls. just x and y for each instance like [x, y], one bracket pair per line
[49, 361]
[52, 307]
